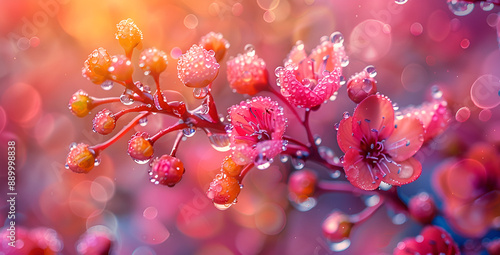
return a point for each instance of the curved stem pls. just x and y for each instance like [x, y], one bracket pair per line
[100, 147]
[138, 108]
[244, 172]
[366, 213]
[283, 99]
[167, 130]
[177, 141]
[106, 100]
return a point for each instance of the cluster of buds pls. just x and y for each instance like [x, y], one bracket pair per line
[378, 141]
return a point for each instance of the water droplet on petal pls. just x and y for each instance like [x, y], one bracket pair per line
[284, 158]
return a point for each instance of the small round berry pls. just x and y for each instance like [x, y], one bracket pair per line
[81, 158]
[128, 34]
[422, 208]
[121, 68]
[301, 185]
[94, 243]
[230, 167]
[217, 43]
[166, 170]
[140, 148]
[224, 189]
[80, 104]
[104, 122]
[95, 68]
[337, 227]
[247, 73]
[153, 61]
[197, 67]
[361, 85]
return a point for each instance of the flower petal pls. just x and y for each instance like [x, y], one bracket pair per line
[345, 137]
[374, 116]
[408, 171]
[406, 139]
[358, 172]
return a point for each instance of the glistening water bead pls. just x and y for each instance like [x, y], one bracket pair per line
[460, 8]
[400, 1]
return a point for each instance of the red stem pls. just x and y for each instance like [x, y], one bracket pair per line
[138, 108]
[366, 213]
[167, 130]
[245, 171]
[100, 147]
[283, 99]
[177, 141]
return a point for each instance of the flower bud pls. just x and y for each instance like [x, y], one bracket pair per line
[224, 190]
[121, 68]
[128, 34]
[140, 148]
[337, 227]
[361, 85]
[166, 170]
[104, 122]
[230, 167]
[153, 61]
[197, 67]
[80, 159]
[80, 104]
[301, 185]
[247, 73]
[422, 208]
[95, 68]
[217, 43]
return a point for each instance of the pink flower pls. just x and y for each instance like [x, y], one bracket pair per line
[434, 115]
[257, 128]
[247, 73]
[379, 147]
[308, 81]
[470, 189]
[432, 240]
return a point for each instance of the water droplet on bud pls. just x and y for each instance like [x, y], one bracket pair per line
[222, 207]
[306, 205]
[200, 93]
[337, 38]
[372, 72]
[189, 132]
[72, 145]
[486, 6]
[107, 85]
[141, 162]
[220, 142]
[340, 246]
[298, 163]
[97, 161]
[250, 50]
[284, 158]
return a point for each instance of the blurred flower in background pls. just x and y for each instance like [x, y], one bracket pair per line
[415, 45]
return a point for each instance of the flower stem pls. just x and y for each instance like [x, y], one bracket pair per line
[177, 141]
[245, 171]
[102, 146]
[167, 130]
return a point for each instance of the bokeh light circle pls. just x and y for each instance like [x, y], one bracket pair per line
[370, 40]
[485, 91]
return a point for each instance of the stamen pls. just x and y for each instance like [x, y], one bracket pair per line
[371, 173]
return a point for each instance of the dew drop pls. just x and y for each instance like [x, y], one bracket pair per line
[306, 205]
[345, 115]
[97, 161]
[222, 207]
[339, 246]
[284, 158]
[278, 71]
[126, 99]
[72, 145]
[189, 132]
[335, 174]
[342, 81]
[337, 38]
[486, 6]
[371, 70]
[66, 166]
[336, 126]
[143, 122]
[298, 163]
[367, 85]
[142, 162]
[436, 92]
[220, 142]
[317, 140]
[399, 219]
[344, 61]
[462, 114]
[263, 166]
[107, 85]
[460, 8]
[400, 1]
[200, 93]
[384, 186]
[249, 50]
[372, 200]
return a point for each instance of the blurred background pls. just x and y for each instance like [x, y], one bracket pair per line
[43, 44]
